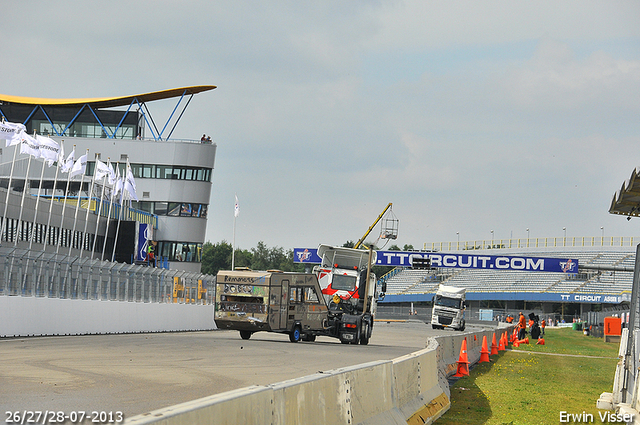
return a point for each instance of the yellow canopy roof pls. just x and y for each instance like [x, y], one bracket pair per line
[106, 102]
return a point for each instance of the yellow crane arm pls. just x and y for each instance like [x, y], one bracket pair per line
[372, 226]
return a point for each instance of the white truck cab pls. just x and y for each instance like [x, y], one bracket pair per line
[448, 308]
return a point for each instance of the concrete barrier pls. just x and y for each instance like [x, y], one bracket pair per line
[33, 316]
[412, 389]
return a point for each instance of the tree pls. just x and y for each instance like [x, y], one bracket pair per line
[216, 257]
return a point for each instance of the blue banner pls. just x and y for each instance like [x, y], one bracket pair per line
[519, 296]
[144, 237]
[456, 260]
[306, 255]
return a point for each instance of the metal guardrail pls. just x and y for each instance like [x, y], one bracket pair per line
[563, 242]
[36, 274]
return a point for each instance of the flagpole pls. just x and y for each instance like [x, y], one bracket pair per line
[75, 217]
[6, 202]
[106, 232]
[236, 212]
[24, 191]
[53, 193]
[233, 250]
[104, 184]
[86, 217]
[66, 193]
[35, 214]
[33, 228]
[120, 213]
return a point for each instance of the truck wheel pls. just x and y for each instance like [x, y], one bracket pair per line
[294, 335]
[364, 338]
[245, 334]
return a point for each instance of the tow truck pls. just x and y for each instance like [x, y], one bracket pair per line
[338, 299]
[296, 303]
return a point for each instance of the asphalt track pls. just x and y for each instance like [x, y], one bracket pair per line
[138, 373]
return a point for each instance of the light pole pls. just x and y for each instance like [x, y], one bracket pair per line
[527, 237]
[458, 235]
[602, 230]
[564, 239]
[492, 239]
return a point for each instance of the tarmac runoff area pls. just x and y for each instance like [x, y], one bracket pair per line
[138, 373]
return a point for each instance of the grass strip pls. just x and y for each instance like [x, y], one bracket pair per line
[524, 385]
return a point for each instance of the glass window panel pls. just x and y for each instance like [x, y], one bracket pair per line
[137, 170]
[186, 210]
[188, 174]
[200, 174]
[174, 209]
[160, 208]
[203, 211]
[145, 206]
[148, 171]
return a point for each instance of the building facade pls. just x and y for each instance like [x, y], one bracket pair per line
[173, 177]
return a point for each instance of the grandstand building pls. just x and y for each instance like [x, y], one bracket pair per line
[604, 280]
[173, 177]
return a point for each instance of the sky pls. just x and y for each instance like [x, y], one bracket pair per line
[477, 120]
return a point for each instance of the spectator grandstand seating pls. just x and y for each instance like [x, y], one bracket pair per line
[408, 281]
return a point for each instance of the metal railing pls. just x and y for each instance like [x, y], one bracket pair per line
[562, 242]
[37, 274]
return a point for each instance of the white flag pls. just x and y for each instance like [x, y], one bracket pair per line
[49, 149]
[29, 145]
[130, 183]
[236, 211]
[80, 166]
[9, 130]
[112, 174]
[117, 188]
[67, 164]
[102, 170]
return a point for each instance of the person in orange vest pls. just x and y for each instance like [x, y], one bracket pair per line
[509, 319]
[522, 326]
[542, 326]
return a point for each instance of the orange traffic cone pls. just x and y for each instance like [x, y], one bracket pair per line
[516, 343]
[484, 352]
[494, 347]
[540, 341]
[501, 346]
[463, 361]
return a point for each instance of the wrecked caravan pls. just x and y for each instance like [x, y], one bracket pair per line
[291, 303]
[272, 301]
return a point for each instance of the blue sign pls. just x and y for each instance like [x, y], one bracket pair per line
[306, 255]
[460, 261]
[144, 236]
[518, 296]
